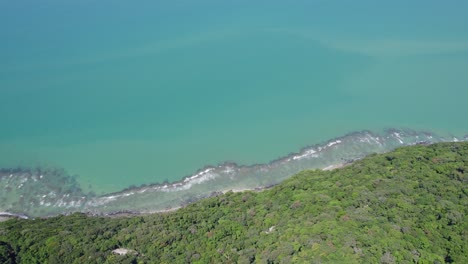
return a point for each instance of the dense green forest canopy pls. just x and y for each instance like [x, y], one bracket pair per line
[406, 206]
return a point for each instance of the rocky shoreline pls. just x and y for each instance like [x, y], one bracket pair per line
[6, 215]
[46, 192]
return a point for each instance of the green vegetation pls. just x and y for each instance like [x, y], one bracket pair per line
[407, 206]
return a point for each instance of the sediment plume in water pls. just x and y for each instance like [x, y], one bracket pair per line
[45, 192]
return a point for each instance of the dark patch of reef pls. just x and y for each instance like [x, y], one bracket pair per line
[33, 190]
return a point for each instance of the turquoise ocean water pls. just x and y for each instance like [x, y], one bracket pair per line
[124, 93]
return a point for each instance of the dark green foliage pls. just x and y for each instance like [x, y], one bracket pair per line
[7, 254]
[407, 206]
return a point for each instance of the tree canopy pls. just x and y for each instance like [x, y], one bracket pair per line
[405, 206]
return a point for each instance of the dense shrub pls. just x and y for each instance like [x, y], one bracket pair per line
[407, 206]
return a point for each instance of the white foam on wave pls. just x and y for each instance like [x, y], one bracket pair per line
[333, 143]
[306, 153]
[200, 174]
[369, 138]
[398, 137]
[313, 153]
[110, 198]
[201, 177]
[187, 183]
[229, 170]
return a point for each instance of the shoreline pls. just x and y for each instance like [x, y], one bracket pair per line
[224, 177]
[304, 152]
[7, 215]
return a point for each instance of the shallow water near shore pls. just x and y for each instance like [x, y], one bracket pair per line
[123, 94]
[33, 192]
